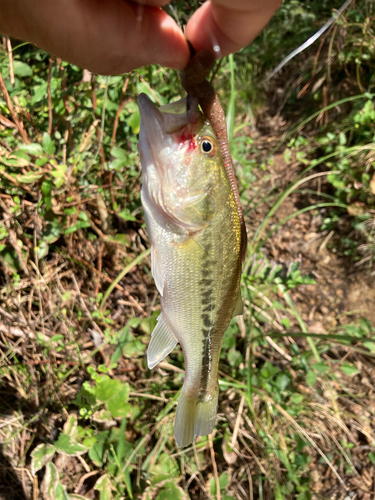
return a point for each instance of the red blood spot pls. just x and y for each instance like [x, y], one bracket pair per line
[187, 136]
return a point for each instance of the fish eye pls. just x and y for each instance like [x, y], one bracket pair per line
[208, 146]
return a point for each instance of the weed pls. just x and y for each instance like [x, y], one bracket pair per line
[81, 416]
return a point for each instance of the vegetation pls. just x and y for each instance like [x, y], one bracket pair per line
[81, 416]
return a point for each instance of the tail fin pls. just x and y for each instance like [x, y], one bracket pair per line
[194, 418]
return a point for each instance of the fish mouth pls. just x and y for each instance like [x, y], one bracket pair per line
[169, 118]
[158, 125]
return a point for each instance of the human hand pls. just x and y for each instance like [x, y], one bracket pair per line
[116, 36]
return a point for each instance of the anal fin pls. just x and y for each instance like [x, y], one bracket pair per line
[162, 343]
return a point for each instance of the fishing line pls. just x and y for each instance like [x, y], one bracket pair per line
[308, 42]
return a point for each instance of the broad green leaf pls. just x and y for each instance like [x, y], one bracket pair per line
[134, 348]
[103, 485]
[29, 178]
[223, 480]
[370, 346]
[70, 426]
[61, 494]
[349, 369]
[83, 216]
[48, 144]
[96, 453]
[321, 367]
[40, 92]
[103, 416]
[42, 249]
[117, 405]
[52, 231]
[134, 122]
[59, 174]
[223, 483]
[66, 444]
[311, 378]
[22, 155]
[50, 482]
[40, 455]
[126, 215]
[119, 153]
[22, 69]
[33, 148]
[171, 491]
[282, 381]
[107, 388]
[297, 398]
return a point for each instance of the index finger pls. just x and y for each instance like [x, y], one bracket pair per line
[228, 24]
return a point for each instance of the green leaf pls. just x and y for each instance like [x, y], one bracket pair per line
[39, 93]
[66, 444]
[282, 381]
[48, 144]
[370, 346]
[52, 231]
[119, 153]
[42, 249]
[61, 494]
[22, 69]
[83, 216]
[46, 189]
[103, 484]
[50, 482]
[126, 215]
[118, 406]
[29, 178]
[171, 491]
[297, 398]
[40, 455]
[33, 148]
[59, 174]
[57, 338]
[107, 388]
[321, 367]
[96, 453]
[349, 369]
[70, 426]
[103, 416]
[223, 480]
[311, 378]
[134, 122]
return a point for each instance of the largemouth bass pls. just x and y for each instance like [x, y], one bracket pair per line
[195, 234]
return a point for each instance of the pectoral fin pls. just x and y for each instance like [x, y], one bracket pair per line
[156, 270]
[238, 308]
[162, 343]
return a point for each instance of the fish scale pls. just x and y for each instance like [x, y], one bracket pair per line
[196, 254]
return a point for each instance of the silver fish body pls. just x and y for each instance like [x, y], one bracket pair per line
[194, 229]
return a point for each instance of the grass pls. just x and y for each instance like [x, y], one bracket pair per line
[81, 416]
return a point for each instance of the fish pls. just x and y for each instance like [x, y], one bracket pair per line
[195, 234]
